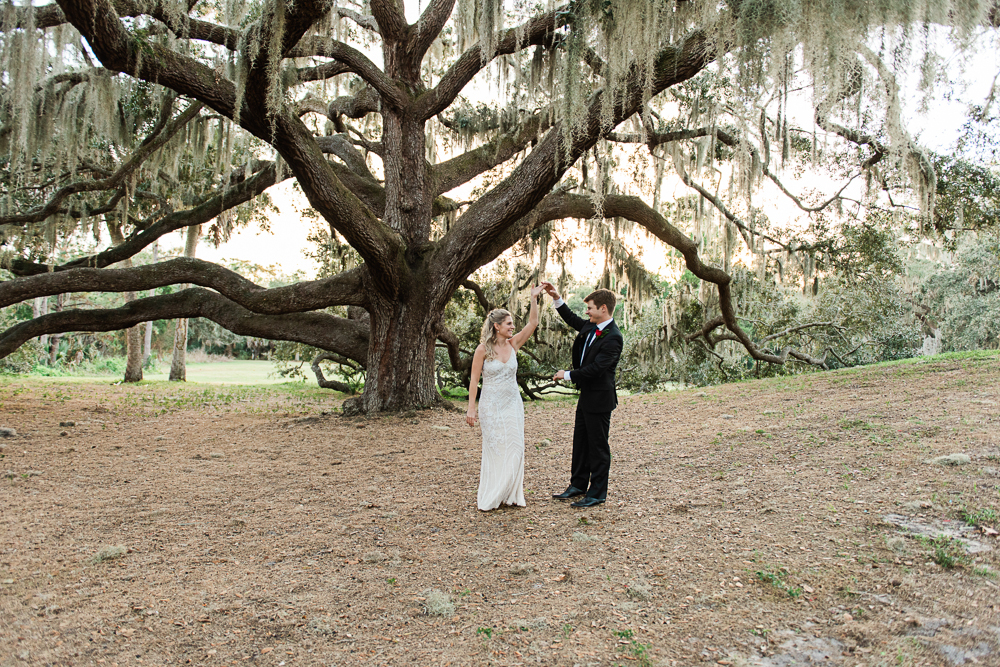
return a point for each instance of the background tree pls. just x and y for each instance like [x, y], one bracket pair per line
[584, 90]
[178, 367]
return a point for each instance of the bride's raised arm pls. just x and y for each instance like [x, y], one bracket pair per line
[521, 337]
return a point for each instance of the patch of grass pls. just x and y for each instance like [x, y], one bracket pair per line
[776, 578]
[636, 651]
[484, 632]
[987, 515]
[947, 552]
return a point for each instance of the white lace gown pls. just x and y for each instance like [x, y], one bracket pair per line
[501, 416]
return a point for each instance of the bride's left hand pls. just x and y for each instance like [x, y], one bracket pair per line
[536, 290]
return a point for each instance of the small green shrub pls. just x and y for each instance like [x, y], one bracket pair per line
[777, 580]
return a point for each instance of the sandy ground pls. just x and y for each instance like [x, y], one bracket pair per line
[764, 523]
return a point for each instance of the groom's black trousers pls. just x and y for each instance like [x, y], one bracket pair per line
[591, 453]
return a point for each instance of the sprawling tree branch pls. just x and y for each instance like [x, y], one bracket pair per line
[474, 287]
[342, 289]
[428, 27]
[498, 210]
[359, 105]
[375, 241]
[327, 332]
[563, 205]
[366, 22]
[536, 31]
[388, 14]
[451, 342]
[321, 380]
[463, 168]
[235, 195]
[326, 70]
[356, 62]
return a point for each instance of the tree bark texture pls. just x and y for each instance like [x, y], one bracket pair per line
[400, 368]
[178, 360]
[133, 344]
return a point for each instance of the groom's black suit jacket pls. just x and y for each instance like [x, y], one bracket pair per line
[594, 375]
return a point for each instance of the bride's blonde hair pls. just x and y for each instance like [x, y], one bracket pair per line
[489, 336]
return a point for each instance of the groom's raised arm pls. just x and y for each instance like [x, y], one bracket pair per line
[569, 317]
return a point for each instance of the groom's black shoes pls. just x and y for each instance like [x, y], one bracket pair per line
[587, 502]
[570, 492]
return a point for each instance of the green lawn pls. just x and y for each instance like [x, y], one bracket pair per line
[211, 372]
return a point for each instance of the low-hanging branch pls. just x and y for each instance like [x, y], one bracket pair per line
[654, 139]
[566, 205]
[451, 342]
[321, 380]
[343, 289]
[476, 289]
[327, 332]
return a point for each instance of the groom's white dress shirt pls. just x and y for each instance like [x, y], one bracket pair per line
[556, 303]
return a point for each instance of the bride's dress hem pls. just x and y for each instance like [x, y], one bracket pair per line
[500, 506]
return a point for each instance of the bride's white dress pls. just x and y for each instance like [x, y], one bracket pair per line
[501, 416]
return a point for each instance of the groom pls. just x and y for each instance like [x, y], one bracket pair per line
[596, 351]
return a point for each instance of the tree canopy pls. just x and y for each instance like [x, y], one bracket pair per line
[146, 117]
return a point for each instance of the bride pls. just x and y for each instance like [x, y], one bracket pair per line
[501, 414]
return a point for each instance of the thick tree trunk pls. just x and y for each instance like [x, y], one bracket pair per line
[178, 362]
[400, 368]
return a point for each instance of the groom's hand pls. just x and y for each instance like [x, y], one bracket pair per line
[550, 289]
[559, 376]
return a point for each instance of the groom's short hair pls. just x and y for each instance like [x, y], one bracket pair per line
[603, 297]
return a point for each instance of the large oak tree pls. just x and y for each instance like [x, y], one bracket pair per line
[166, 79]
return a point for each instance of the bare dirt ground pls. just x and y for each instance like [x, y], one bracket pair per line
[747, 524]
